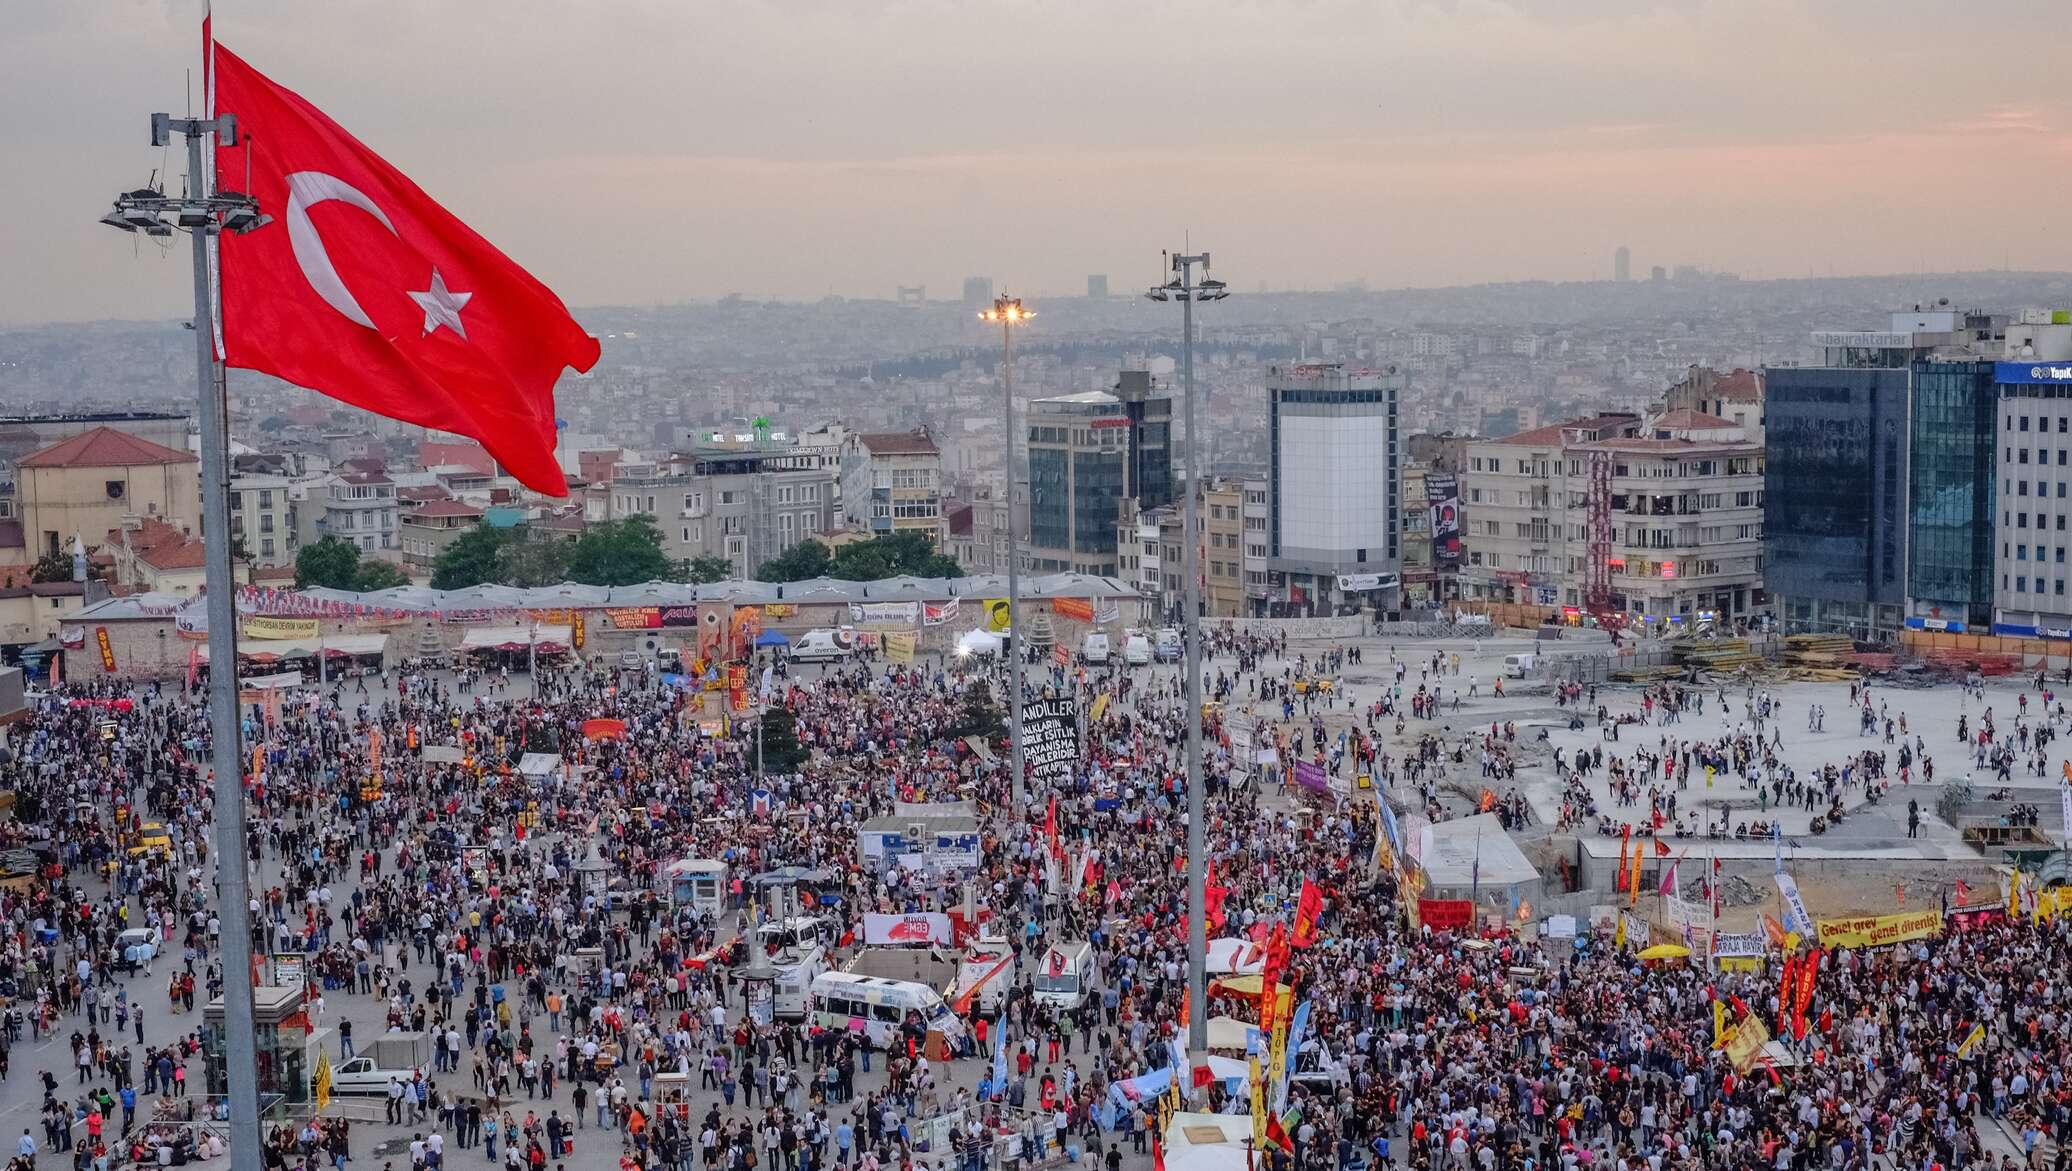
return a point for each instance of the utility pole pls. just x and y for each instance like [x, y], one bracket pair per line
[204, 213]
[1184, 289]
[1009, 313]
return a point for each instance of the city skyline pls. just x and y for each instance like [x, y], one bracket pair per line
[1401, 146]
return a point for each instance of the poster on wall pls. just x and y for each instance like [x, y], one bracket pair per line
[1442, 493]
[884, 613]
[937, 613]
[1050, 741]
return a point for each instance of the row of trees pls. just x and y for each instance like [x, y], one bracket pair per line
[888, 555]
[612, 553]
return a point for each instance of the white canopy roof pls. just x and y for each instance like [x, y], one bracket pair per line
[1457, 845]
[491, 637]
[271, 649]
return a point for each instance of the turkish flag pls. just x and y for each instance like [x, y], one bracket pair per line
[364, 289]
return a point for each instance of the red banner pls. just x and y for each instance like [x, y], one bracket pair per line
[1445, 914]
[1077, 609]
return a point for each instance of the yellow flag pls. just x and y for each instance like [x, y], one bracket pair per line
[1719, 1023]
[320, 1084]
[1971, 1040]
[1619, 938]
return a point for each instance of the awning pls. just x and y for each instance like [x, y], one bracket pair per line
[273, 650]
[515, 638]
[539, 764]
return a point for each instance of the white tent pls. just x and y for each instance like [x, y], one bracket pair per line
[1207, 1142]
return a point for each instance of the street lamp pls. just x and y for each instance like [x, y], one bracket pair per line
[1009, 313]
[204, 212]
[1186, 290]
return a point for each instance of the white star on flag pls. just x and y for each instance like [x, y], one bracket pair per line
[441, 306]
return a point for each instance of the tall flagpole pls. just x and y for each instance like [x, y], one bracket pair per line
[204, 213]
[226, 753]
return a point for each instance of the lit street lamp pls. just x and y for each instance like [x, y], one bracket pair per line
[1184, 289]
[1009, 313]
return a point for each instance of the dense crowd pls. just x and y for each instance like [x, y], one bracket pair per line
[401, 844]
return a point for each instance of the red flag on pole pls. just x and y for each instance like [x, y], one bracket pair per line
[1309, 907]
[364, 289]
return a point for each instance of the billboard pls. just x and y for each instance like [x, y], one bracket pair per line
[1442, 492]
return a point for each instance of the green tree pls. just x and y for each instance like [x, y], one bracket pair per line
[782, 752]
[527, 560]
[474, 559]
[979, 715]
[331, 563]
[58, 567]
[375, 574]
[893, 555]
[707, 568]
[806, 560]
[619, 552]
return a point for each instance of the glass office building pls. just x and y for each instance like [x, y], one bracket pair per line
[1950, 496]
[1835, 490]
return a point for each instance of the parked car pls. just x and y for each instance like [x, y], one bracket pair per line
[360, 1075]
[137, 946]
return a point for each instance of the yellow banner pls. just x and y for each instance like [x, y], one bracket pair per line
[1100, 707]
[1879, 930]
[260, 626]
[899, 646]
[1978, 1033]
[997, 614]
[1745, 1046]
[1258, 1105]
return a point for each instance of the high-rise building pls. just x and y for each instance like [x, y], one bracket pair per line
[1078, 453]
[1149, 408]
[978, 292]
[1335, 476]
[1880, 477]
[1097, 287]
[2033, 437]
[1658, 274]
[1622, 265]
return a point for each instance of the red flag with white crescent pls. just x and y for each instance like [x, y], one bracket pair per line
[365, 289]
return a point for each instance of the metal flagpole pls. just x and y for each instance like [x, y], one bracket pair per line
[204, 213]
[1182, 287]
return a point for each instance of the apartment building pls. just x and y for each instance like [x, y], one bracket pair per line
[1223, 541]
[1685, 505]
[746, 505]
[892, 483]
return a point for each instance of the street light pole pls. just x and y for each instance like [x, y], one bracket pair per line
[204, 213]
[1009, 313]
[1184, 289]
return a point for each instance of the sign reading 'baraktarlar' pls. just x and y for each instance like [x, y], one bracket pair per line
[1050, 740]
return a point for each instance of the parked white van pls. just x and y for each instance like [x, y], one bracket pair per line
[1519, 666]
[822, 646]
[1136, 650]
[796, 971]
[876, 1008]
[1093, 650]
[1064, 977]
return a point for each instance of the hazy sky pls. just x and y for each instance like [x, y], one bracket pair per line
[633, 151]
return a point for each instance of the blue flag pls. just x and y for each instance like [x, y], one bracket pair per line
[1000, 1053]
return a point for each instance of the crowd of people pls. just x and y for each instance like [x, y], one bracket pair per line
[517, 919]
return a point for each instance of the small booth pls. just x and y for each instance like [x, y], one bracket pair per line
[700, 883]
[513, 646]
[280, 1044]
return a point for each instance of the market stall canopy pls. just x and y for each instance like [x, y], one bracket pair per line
[1666, 951]
[515, 638]
[1228, 1032]
[539, 764]
[771, 638]
[273, 650]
